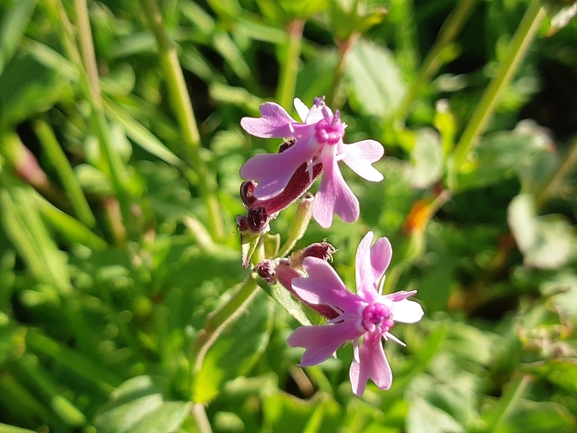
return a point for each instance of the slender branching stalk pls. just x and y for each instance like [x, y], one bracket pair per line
[181, 104]
[484, 110]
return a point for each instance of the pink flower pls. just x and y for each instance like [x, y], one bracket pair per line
[365, 318]
[318, 141]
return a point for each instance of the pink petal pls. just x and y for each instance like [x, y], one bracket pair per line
[334, 196]
[364, 271]
[273, 171]
[359, 157]
[321, 341]
[373, 365]
[274, 122]
[301, 108]
[324, 286]
[406, 311]
[381, 253]
[371, 263]
[316, 114]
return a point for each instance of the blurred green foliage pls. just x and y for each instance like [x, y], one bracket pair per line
[118, 198]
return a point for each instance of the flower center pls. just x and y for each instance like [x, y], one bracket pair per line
[377, 318]
[330, 129]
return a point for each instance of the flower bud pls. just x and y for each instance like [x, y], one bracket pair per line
[302, 217]
[267, 271]
[257, 220]
[322, 250]
[246, 192]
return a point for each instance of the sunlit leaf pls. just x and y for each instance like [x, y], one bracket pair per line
[547, 241]
[427, 158]
[537, 417]
[138, 406]
[373, 79]
[28, 87]
[236, 349]
[12, 27]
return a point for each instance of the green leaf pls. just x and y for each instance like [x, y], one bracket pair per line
[560, 372]
[497, 156]
[5, 428]
[141, 136]
[285, 413]
[69, 227]
[27, 231]
[236, 349]
[227, 48]
[312, 77]
[28, 87]
[287, 301]
[374, 81]
[423, 417]
[12, 28]
[137, 405]
[537, 417]
[349, 18]
[470, 343]
[546, 242]
[12, 342]
[561, 290]
[427, 158]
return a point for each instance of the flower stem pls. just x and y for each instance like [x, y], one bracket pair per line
[182, 106]
[290, 64]
[484, 111]
[555, 182]
[299, 224]
[434, 59]
[217, 321]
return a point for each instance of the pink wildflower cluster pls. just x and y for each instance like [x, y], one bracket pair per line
[315, 144]
[313, 148]
[365, 317]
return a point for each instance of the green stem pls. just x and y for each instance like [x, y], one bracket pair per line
[507, 403]
[217, 321]
[92, 95]
[87, 49]
[554, 184]
[434, 59]
[199, 414]
[64, 170]
[290, 64]
[515, 53]
[340, 70]
[182, 106]
[299, 224]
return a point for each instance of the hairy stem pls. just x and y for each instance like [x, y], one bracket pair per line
[434, 59]
[484, 111]
[217, 321]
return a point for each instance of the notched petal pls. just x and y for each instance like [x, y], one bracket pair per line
[274, 122]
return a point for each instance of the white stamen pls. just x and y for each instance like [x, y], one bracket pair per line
[388, 335]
